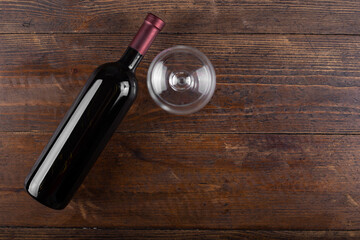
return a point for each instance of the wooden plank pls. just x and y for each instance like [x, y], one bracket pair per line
[205, 16]
[205, 181]
[73, 233]
[266, 83]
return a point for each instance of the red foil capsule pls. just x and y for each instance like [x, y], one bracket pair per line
[145, 36]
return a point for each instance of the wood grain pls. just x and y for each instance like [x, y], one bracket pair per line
[266, 83]
[275, 151]
[184, 16]
[88, 233]
[205, 181]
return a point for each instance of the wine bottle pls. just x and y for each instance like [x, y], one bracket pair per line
[90, 122]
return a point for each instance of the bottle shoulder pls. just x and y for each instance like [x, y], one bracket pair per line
[114, 71]
[117, 79]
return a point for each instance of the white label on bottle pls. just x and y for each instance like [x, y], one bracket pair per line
[60, 141]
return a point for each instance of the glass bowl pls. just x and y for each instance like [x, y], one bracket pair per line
[181, 80]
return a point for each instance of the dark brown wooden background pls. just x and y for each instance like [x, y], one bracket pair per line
[275, 154]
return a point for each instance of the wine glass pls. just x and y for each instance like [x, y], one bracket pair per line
[181, 80]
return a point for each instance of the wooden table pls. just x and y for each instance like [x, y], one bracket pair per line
[275, 154]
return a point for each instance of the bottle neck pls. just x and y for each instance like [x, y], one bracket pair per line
[151, 26]
[146, 34]
[131, 58]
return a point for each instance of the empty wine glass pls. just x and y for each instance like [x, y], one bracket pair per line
[181, 80]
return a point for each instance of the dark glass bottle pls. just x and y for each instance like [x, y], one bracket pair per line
[88, 125]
